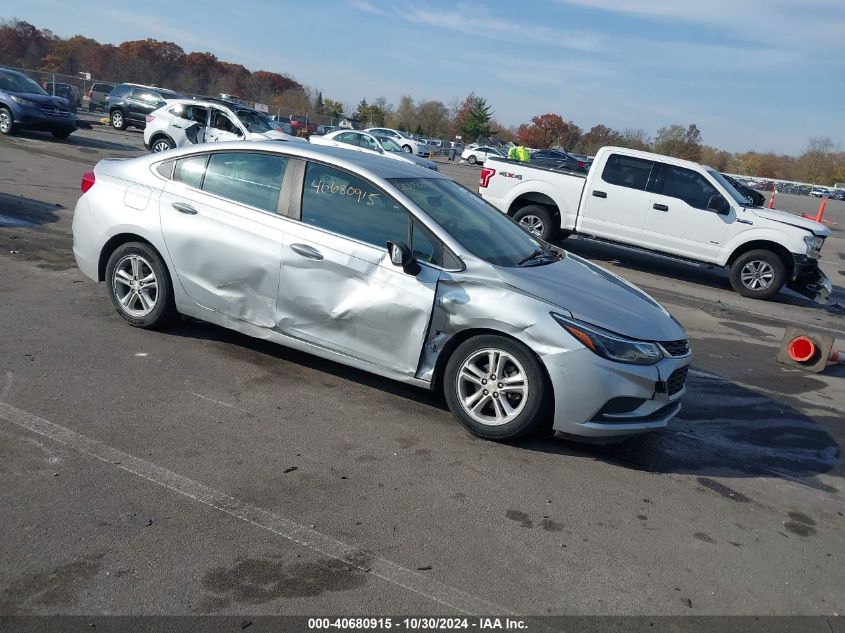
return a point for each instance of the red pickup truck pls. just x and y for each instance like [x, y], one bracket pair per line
[301, 126]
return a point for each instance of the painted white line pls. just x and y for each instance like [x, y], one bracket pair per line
[307, 537]
[220, 402]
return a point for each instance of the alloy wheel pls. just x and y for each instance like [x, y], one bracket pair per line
[5, 121]
[135, 286]
[757, 275]
[492, 386]
[161, 146]
[532, 224]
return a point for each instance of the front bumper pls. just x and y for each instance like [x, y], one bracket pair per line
[598, 398]
[30, 118]
[809, 280]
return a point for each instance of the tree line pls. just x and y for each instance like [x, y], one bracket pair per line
[166, 64]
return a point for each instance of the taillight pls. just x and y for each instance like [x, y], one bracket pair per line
[486, 174]
[90, 94]
[149, 118]
[87, 181]
[582, 165]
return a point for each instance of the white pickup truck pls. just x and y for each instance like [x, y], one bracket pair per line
[668, 206]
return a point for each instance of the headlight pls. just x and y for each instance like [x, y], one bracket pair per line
[814, 245]
[609, 345]
[24, 102]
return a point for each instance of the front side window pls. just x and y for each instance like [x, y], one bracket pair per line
[627, 171]
[223, 123]
[339, 202]
[249, 178]
[687, 185]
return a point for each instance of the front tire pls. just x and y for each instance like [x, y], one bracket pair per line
[496, 388]
[61, 134]
[7, 122]
[118, 121]
[139, 286]
[472, 159]
[407, 149]
[758, 274]
[538, 221]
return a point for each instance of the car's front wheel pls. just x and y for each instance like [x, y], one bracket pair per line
[496, 388]
[758, 274]
[139, 286]
[118, 121]
[472, 159]
[61, 134]
[407, 149]
[7, 122]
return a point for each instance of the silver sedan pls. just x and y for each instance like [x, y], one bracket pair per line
[380, 265]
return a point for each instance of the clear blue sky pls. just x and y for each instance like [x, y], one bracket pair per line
[753, 74]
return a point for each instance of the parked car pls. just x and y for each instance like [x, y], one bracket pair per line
[479, 154]
[66, 91]
[353, 139]
[838, 194]
[403, 140]
[559, 160]
[182, 122]
[754, 197]
[325, 129]
[24, 105]
[819, 192]
[97, 95]
[129, 104]
[670, 206]
[394, 270]
[282, 126]
[301, 126]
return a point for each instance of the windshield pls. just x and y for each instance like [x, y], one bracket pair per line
[388, 144]
[477, 226]
[14, 82]
[736, 195]
[255, 121]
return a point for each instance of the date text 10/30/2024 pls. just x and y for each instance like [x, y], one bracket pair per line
[418, 624]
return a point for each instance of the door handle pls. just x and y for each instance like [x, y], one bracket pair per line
[660, 207]
[181, 207]
[306, 251]
[599, 194]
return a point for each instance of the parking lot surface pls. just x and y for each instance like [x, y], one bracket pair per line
[196, 470]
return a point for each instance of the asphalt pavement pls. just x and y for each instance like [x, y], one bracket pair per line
[198, 471]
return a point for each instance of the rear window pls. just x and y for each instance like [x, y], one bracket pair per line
[101, 87]
[627, 171]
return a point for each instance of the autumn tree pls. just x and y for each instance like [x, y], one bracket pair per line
[406, 114]
[475, 115]
[634, 138]
[599, 136]
[680, 142]
[332, 108]
[545, 130]
[433, 118]
[816, 163]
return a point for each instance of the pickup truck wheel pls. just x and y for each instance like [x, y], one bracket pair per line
[758, 274]
[496, 388]
[538, 221]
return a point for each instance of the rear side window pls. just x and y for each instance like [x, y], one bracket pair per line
[339, 202]
[627, 171]
[249, 178]
[147, 96]
[687, 185]
[119, 91]
[190, 170]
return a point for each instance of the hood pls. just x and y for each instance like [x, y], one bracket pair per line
[419, 160]
[793, 220]
[275, 135]
[594, 295]
[44, 100]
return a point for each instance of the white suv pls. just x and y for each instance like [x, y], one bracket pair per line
[184, 122]
[404, 141]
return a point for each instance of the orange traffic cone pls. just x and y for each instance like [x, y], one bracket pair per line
[772, 199]
[819, 215]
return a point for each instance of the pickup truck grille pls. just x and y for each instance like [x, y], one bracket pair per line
[676, 381]
[676, 348]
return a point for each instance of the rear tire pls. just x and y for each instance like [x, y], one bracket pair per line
[118, 121]
[7, 122]
[509, 405]
[538, 221]
[139, 286]
[61, 134]
[162, 144]
[758, 274]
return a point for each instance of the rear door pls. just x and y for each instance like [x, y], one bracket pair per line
[616, 204]
[678, 220]
[339, 289]
[221, 221]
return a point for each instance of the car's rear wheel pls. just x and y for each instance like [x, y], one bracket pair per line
[496, 387]
[139, 286]
[61, 133]
[758, 274]
[162, 144]
[118, 121]
[538, 221]
[472, 159]
[7, 122]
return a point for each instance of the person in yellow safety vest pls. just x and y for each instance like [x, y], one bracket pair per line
[512, 153]
[522, 154]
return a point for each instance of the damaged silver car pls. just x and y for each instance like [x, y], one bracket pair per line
[376, 264]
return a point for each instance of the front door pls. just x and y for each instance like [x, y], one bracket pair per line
[339, 289]
[220, 222]
[222, 127]
[678, 220]
[615, 205]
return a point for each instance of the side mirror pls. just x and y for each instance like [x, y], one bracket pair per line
[718, 204]
[401, 255]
